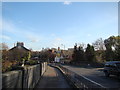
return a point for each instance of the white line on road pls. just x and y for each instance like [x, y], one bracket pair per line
[92, 81]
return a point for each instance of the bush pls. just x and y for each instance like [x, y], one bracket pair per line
[8, 65]
[14, 65]
[31, 62]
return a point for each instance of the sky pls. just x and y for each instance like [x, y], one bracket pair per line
[57, 24]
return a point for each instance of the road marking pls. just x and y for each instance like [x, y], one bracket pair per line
[88, 79]
[93, 81]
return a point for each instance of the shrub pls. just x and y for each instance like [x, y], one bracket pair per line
[31, 62]
[15, 65]
[8, 65]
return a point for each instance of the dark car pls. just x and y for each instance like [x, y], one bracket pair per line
[112, 68]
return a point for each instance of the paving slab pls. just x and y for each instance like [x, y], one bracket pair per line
[52, 78]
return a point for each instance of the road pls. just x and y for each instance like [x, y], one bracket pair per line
[96, 75]
[52, 78]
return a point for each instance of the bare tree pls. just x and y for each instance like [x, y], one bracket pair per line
[3, 46]
[83, 45]
[4, 51]
[99, 44]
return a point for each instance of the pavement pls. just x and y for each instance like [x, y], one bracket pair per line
[52, 78]
[96, 75]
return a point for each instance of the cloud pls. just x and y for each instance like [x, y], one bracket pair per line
[67, 3]
[5, 37]
[53, 35]
[9, 27]
[58, 39]
[88, 35]
[27, 35]
[56, 42]
[33, 38]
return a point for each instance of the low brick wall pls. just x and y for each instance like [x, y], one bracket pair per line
[27, 77]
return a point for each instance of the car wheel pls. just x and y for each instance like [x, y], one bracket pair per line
[107, 74]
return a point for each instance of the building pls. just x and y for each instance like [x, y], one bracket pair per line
[18, 52]
[68, 53]
[58, 55]
[53, 50]
[19, 46]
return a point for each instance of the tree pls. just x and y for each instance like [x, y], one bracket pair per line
[117, 49]
[112, 48]
[27, 56]
[81, 54]
[75, 53]
[4, 51]
[90, 53]
[51, 56]
[99, 47]
[44, 54]
[3, 46]
[99, 44]
[78, 54]
[117, 53]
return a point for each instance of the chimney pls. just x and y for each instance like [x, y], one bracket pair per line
[20, 44]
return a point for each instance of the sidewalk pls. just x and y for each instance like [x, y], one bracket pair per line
[52, 78]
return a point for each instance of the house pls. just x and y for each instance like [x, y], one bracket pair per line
[68, 53]
[18, 52]
[19, 46]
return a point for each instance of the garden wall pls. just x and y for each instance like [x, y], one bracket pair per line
[28, 77]
[44, 65]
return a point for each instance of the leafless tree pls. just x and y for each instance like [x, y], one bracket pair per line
[99, 44]
[3, 46]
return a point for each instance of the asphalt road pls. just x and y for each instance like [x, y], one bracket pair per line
[96, 75]
[52, 78]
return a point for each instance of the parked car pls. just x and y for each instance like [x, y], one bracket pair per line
[112, 68]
